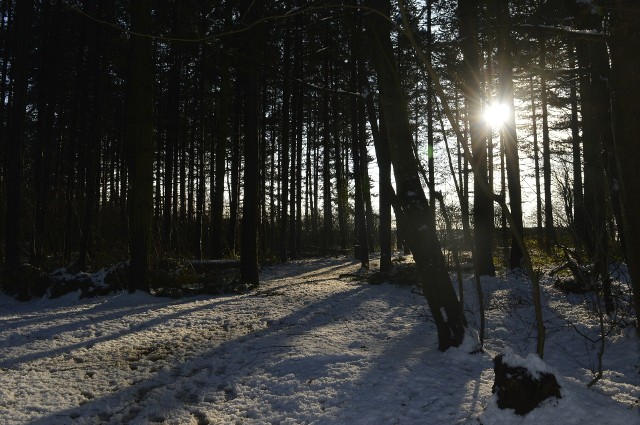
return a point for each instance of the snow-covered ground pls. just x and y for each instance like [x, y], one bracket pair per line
[306, 347]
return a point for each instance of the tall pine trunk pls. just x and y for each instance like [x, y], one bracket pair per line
[327, 221]
[596, 132]
[536, 157]
[482, 204]
[576, 141]
[624, 45]
[381, 145]
[222, 134]
[140, 144]
[15, 143]
[251, 92]
[361, 240]
[549, 228]
[508, 131]
[284, 146]
[234, 192]
[48, 95]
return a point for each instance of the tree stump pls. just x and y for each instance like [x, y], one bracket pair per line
[521, 385]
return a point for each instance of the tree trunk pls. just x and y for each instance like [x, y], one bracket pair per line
[430, 108]
[234, 192]
[249, 249]
[295, 202]
[596, 132]
[293, 175]
[508, 131]
[576, 141]
[463, 170]
[201, 137]
[48, 99]
[284, 148]
[173, 113]
[384, 182]
[536, 157]
[92, 160]
[140, 137]
[624, 45]
[222, 134]
[327, 222]
[416, 213]
[19, 73]
[341, 180]
[549, 229]
[482, 204]
[361, 240]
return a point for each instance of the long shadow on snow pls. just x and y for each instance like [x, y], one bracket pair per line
[214, 362]
[102, 321]
[320, 266]
[409, 370]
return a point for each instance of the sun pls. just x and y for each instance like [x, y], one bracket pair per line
[496, 114]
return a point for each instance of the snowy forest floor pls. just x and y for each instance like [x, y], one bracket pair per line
[307, 346]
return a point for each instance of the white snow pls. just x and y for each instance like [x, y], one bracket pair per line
[533, 363]
[305, 347]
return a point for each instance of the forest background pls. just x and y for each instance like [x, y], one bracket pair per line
[145, 130]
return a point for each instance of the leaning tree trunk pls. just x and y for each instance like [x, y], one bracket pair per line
[624, 45]
[416, 213]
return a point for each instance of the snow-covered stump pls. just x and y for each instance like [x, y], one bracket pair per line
[522, 384]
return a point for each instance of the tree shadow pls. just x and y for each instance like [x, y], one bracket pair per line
[217, 364]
